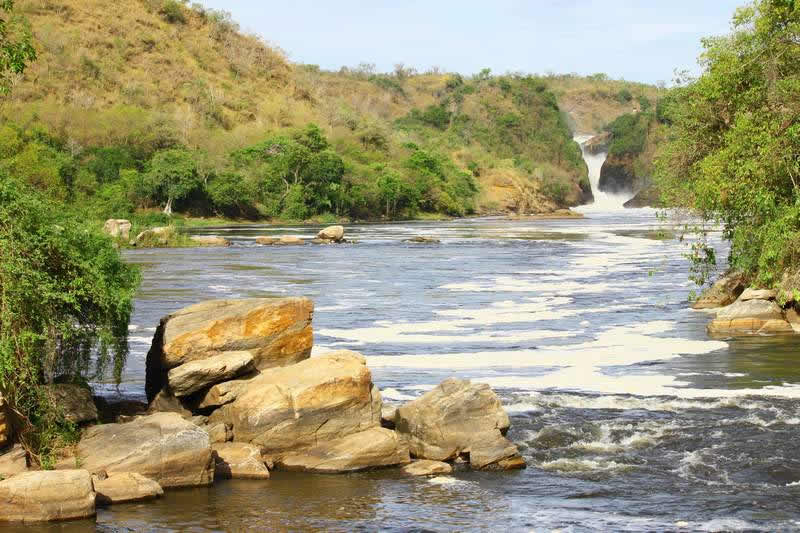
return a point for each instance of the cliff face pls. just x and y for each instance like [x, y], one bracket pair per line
[618, 174]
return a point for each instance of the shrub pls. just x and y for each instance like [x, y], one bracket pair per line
[623, 96]
[172, 11]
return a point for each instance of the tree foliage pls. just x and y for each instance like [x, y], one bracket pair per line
[16, 50]
[734, 153]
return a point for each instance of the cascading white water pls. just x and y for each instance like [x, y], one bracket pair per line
[603, 201]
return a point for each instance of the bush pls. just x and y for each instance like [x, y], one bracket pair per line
[624, 96]
[172, 11]
[65, 301]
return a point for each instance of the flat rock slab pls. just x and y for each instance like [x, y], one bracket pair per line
[283, 409]
[46, 496]
[195, 375]
[276, 331]
[757, 294]
[163, 447]
[425, 467]
[238, 460]
[760, 309]
[122, 487]
[748, 317]
[373, 448]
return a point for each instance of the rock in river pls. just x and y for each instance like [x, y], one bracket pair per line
[373, 448]
[122, 487]
[46, 496]
[331, 233]
[750, 317]
[458, 417]
[276, 331]
[426, 467]
[195, 375]
[238, 460]
[724, 292]
[163, 447]
[209, 240]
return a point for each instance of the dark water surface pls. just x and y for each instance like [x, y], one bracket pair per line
[630, 417]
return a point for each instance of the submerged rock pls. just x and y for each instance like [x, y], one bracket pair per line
[238, 460]
[426, 467]
[46, 496]
[332, 234]
[276, 331]
[373, 448]
[318, 399]
[422, 240]
[724, 292]
[163, 447]
[122, 487]
[458, 417]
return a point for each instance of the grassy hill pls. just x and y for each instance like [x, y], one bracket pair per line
[132, 106]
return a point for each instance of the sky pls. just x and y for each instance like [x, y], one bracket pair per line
[638, 40]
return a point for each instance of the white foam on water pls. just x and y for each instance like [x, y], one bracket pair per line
[141, 340]
[582, 466]
[394, 394]
[448, 481]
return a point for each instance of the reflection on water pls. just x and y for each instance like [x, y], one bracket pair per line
[630, 417]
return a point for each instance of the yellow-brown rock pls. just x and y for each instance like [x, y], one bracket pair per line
[239, 460]
[276, 331]
[46, 496]
[122, 487]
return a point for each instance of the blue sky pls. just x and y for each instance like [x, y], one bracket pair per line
[640, 40]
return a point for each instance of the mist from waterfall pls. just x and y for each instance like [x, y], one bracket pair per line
[603, 201]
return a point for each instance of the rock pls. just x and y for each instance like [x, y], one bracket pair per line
[492, 451]
[124, 487]
[118, 228]
[76, 401]
[647, 196]
[320, 241]
[117, 410]
[724, 292]
[46, 496]
[750, 317]
[422, 240]
[446, 421]
[757, 294]
[219, 432]
[598, 144]
[195, 375]
[166, 402]
[13, 462]
[163, 447]
[373, 448]
[222, 393]
[289, 240]
[425, 467]
[237, 460]
[388, 413]
[793, 318]
[618, 174]
[158, 235]
[276, 331]
[5, 423]
[267, 241]
[313, 401]
[209, 240]
[332, 233]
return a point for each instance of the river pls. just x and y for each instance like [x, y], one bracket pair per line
[630, 417]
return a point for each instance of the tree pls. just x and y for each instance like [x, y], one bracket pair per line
[66, 297]
[16, 50]
[173, 175]
[734, 151]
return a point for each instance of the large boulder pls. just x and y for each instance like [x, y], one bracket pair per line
[239, 460]
[723, 292]
[750, 317]
[373, 448]
[125, 487]
[46, 496]
[163, 447]
[457, 417]
[195, 375]
[118, 228]
[76, 402]
[331, 233]
[276, 331]
[316, 400]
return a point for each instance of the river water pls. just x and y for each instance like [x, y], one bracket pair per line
[630, 417]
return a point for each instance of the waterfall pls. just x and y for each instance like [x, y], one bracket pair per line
[603, 201]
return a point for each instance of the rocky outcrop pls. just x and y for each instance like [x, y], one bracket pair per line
[118, 228]
[458, 418]
[209, 240]
[617, 176]
[723, 292]
[276, 332]
[373, 448]
[159, 235]
[46, 496]
[76, 402]
[123, 487]
[331, 234]
[13, 462]
[195, 375]
[238, 460]
[647, 196]
[163, 447]
[754, 312]
[598, 144]
[426, 467]
[320, 399]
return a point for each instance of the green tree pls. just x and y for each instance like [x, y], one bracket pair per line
[172, 176]
[16, 50]
[732, 156]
